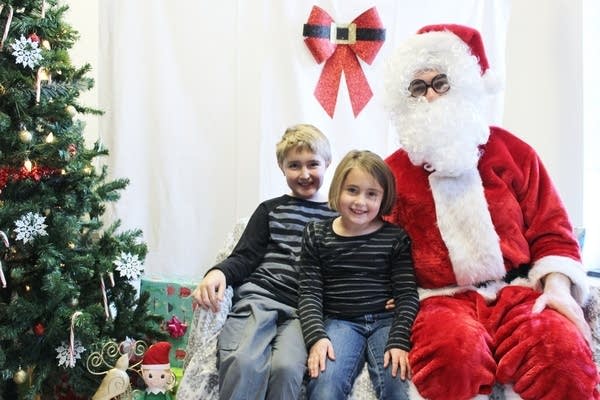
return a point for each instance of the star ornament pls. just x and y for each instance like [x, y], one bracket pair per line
[129, 265]
[26, 52]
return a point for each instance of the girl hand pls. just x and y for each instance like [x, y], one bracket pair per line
[399, 360]
[317, 357]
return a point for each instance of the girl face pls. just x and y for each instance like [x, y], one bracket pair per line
[304, 171]
[360, 200]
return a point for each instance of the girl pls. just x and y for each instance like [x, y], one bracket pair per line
[349, 266]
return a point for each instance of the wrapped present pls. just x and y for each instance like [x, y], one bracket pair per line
[172, 299]
[178, 377]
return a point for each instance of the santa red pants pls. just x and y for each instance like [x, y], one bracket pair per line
[463, 345]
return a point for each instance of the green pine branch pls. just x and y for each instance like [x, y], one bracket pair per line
[56, 269]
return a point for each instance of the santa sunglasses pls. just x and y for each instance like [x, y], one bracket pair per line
[439, 84]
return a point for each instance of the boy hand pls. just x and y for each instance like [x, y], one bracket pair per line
[317, 357]
[211, 290]
[399, 360]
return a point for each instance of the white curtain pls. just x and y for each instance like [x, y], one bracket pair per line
[198, 92]
[591, 96]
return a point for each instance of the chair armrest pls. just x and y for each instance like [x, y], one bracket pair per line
[200, 378]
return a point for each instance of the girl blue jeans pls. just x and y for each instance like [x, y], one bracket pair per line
[354, 341]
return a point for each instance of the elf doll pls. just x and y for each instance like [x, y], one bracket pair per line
[497, 264]
[157, 374]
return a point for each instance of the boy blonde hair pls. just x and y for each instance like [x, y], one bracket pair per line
[373, 165]
[303, 137]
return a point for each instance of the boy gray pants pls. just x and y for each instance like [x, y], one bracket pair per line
[261, 351]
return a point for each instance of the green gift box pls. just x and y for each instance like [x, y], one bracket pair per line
[171, 298]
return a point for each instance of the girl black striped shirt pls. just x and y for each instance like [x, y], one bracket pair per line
[346, 277]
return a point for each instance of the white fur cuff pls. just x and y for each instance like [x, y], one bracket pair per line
[566, 266]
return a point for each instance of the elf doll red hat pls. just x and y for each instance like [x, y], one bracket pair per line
[157, 356]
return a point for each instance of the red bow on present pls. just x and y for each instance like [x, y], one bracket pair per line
[340, 46]
[176, 328]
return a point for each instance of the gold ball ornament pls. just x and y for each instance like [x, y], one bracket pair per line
[20, 377]
[72, 111]
[25, 136]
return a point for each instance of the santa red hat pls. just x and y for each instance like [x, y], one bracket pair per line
[157, 356]
[472, 38]
[453, 49]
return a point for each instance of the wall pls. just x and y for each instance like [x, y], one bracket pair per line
[544, 94]
[83, 16]
[543, 99]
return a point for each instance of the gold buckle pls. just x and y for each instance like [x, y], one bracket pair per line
[350, 28]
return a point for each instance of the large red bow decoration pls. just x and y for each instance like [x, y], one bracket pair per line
[340, 46]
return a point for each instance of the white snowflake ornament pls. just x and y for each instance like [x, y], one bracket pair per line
[29, 226]
[129, 265]
[27, 52]
[63, 356]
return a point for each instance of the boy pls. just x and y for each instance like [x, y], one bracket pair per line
[261, 350]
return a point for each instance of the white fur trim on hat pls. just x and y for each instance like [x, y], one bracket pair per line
[444, 52]
[475, 47]
[492, 82]
[156, 366]
[572, 269]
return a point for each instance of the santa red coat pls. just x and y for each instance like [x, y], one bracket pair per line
[526, 211]
[479, 258]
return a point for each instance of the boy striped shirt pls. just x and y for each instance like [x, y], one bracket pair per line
[268, 250]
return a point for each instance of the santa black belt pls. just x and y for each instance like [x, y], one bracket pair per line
[522, 271]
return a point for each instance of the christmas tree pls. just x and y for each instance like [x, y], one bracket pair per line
[66, 275]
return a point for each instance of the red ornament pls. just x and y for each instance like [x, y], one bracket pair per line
[9, 174]
[176, 328]
[39, 329]
[72, 149]
[34, 38]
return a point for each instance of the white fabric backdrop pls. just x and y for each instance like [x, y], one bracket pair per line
[197, 93]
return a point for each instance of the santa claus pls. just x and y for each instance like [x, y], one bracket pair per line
[496, 260]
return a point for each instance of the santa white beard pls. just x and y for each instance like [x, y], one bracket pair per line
[443, 135]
